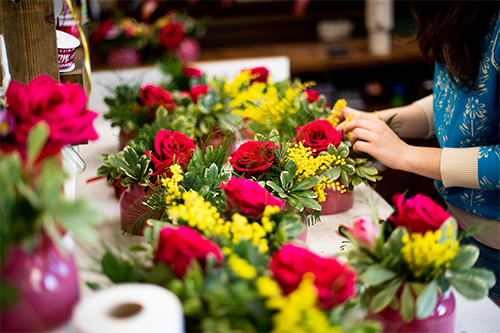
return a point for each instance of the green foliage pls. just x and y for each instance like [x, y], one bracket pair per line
[32, 202]
[385, 274]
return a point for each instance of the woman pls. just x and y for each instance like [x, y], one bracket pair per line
[462, 38]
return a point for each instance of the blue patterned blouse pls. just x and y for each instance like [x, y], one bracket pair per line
[471, 119]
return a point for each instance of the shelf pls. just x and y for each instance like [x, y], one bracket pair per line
[313, 57]
[78, 75]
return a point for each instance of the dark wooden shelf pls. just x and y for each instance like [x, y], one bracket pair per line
[314, 57]
[77, 75]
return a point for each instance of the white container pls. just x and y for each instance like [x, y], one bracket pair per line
[66, 47]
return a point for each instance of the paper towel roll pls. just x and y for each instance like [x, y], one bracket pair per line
[130, 307]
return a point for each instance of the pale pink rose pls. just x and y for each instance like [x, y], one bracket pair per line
[365, 232]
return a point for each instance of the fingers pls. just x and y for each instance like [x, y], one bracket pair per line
[361, 134]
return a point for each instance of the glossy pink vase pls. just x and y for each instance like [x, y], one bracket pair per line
[124, 57]
[336, 202]
[128, 198]
[442, 320]
[47, 282]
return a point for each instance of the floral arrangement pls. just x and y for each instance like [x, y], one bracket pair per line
[183, 102]
[415, 256]
[299, 171]
[170, 30]
[38, 121]
[163, 38]
[121, 32]
[232, 272]
[266, 105]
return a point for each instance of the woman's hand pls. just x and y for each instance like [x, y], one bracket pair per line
[350, 112]
[373, 136]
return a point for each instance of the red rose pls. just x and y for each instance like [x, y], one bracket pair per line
[171, 35]
[318, 135]
[197, 91]
[334, 281]
[154, 97]
[247, 197]
[418, 214]
[253, 158]
[171, 147]
[311, 95]
[62, 106]
[178, 246]
[192, 72]
[102, 30]
[261, 74]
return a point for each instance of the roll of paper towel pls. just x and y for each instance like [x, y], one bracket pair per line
[130, 307]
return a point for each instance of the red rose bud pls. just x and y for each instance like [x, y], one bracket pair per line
[261, 74]
[171, 147]
[418, 214]
[197, 91]
[253, 158]
[333, 280]
[311, 95]
[247, 197]
[318, 135]
[178, 246]
[192, 72]
[171, 35]
[154, 97]
[62, 106]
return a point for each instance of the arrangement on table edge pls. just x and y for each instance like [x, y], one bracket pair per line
[408, 262]
[295, 155]
[36, 122]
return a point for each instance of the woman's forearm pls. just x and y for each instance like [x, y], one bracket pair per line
[423, 161]
[412, 118]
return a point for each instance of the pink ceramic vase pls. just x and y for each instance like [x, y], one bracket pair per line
[336, 202]
[47, 283]
[128, 198]
[124, 57]
[441, 320]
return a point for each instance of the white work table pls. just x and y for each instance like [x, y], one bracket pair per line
[471, 316]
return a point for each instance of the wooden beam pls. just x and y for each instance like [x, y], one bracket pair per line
[29, 30]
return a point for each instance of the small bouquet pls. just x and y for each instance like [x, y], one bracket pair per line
[229, 275]
[174, 32]
[121, 32]
[37, 121]
[266, 105]
[409, 261]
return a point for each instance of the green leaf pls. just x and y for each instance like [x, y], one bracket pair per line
[291, 167]
[117, 269]
[343, 150]
[349, 169]
[333, 173]
[212, 172]
[275, 187]
[407, 304]
[307, 202]
[332, 150]
[376, 275]
[306, 184]
[472, 284]
[426, 301]
[37, 138]
[465, 259]
[344, 178]
[384, 297]
[286, 180]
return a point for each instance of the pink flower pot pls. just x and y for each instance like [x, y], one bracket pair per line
[47, 282]
[124, 57]
[133, 193]
[336, 202]
[441, 320]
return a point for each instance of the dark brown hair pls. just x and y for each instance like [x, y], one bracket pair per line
[450, 32]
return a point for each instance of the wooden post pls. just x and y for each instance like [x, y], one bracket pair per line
[29, 30]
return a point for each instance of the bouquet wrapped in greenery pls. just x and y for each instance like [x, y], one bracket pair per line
[416, 255]
[235, 269]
